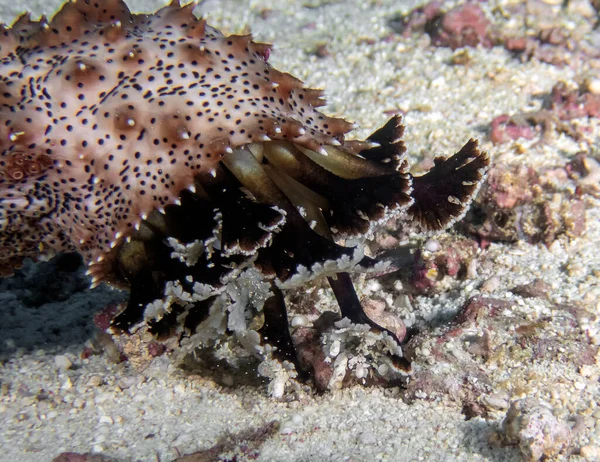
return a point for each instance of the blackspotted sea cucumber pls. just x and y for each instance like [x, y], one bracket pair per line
[181, 165]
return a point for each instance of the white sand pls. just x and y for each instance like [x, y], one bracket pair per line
[159, 413]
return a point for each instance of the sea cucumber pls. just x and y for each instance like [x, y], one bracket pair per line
[179, 163]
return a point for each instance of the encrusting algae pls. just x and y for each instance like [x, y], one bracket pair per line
[184, 167]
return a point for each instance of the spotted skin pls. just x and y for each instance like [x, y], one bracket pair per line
[106, 116]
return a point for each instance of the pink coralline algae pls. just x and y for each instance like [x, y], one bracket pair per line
[564, 103]
[182, 166]
[534, 429]
[551, 46]
[519, 203]
[463, 25]
[432, 270]
[505, 128]
[546, 38]
[574, 103]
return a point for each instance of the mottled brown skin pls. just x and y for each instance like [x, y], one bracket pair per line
[108, 115]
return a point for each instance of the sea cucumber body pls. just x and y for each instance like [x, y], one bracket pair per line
[183, 167]
[107, 115]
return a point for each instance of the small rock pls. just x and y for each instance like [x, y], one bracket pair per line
[432, 245]
[496, 400]
[532, 426]
[535, 289]
[334, 349]
[126, 382]
[63, 363]
[361, 371]
[79, 403]
[300, 321]
[367, 438]
[587, 370]
[383, 369]
[94, 381]
[105, 419]
[593, 86]
[491, 285]
[591, 453]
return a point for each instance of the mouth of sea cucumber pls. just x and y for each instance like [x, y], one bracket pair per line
[276, 207]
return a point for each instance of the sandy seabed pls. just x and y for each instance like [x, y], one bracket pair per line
[52, 401]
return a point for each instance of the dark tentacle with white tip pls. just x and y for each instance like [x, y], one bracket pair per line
[443, 195]
[271, 206]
